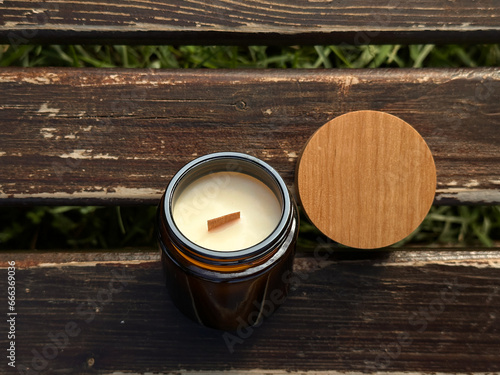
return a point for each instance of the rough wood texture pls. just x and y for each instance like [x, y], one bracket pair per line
[366, 179]
[417, 311]
[91, 136]
[249, 22]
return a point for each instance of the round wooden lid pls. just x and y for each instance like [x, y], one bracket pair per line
[366, 179]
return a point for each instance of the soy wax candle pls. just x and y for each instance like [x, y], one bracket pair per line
[227, 232]
[219, 195]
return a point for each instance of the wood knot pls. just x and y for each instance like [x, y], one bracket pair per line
[241, 105]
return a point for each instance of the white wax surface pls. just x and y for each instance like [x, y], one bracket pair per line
[222, 193]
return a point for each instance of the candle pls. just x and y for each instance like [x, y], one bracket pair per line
[227, 231]
[222, 193]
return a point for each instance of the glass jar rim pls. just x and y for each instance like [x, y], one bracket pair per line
[246, 254]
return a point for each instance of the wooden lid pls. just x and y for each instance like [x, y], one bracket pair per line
[366, 179]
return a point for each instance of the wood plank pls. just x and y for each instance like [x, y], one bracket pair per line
[250, 22]
[389, 312]
[108, 136]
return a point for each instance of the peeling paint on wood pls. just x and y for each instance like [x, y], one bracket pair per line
[467, 195]
[487, 263]
[44, 108]
[118, 192]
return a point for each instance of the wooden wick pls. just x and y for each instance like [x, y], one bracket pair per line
[218, 221]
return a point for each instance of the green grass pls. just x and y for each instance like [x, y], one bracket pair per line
[113, 227]
[76, 227]
[214, 57]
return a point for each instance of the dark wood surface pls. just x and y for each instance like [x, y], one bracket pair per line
[108, 136]
[250, 22]
[422, 311]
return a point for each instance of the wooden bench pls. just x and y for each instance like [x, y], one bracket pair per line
[116, 136]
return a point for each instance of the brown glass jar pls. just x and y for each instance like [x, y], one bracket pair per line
[228, 289]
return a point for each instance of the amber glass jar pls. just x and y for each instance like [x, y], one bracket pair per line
[228, 289]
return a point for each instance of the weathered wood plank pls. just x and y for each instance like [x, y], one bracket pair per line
[250, 22]
[391, 312]
[417, 257]
[91, 136]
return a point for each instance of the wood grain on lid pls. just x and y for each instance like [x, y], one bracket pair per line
[366, 179]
